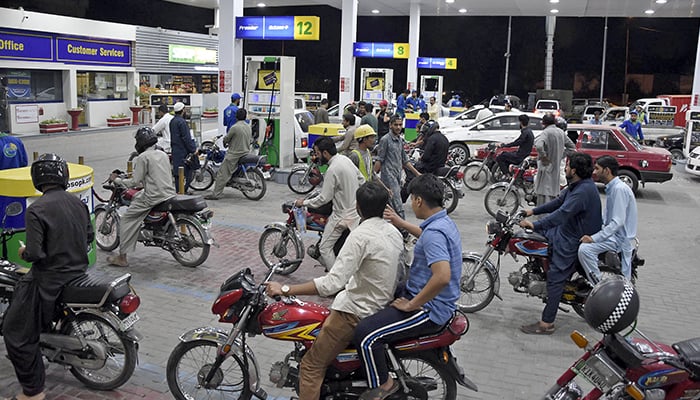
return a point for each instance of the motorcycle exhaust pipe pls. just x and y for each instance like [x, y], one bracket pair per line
[58, 341]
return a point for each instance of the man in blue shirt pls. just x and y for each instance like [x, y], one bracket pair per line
[428, 300]
[12, 153]
[230, 111]
[401, 103]
[633, 127]
[576, 212]
[619, 222]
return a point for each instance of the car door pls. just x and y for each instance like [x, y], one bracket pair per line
[501, 128]
[600, 142]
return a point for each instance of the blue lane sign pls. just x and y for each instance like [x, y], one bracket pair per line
[278, 28]
[437, 63]
[380, 50]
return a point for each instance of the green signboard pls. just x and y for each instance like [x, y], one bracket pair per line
[190, 54]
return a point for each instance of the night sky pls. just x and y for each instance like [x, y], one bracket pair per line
[663, 48]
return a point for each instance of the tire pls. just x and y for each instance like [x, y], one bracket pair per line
[203, 179]
[256, 187]
[476, 177]
[298, 181]
[423, 369]
[496, 199]
[677, 155]
[121, 353]
[106, 229]
[476, 295]
[451, 197]
[191, 361]
[460, 153]
[191, 251]
[272, 249]
[629, 178]
[569, 392]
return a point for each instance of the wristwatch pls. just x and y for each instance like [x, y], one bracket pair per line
[285, 290]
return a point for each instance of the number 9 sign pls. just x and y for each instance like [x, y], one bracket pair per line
[307, 28]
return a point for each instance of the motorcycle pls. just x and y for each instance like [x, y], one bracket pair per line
[480, 277]
[478, 174]
[179, 225]
[624, 367]
[304, 178]
[212, 362]
[249, 177]
[505, 196]
[449, 175]
[92, 332]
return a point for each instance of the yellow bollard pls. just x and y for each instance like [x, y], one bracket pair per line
[36, 155]
[81, 160]
[181, 179]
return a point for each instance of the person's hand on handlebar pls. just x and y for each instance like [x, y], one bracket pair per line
[525, 223]
[273, 289]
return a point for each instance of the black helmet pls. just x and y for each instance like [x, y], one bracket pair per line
[50, 169]
[145, 138]
[612, 305]
[560, 123]
[429, 127]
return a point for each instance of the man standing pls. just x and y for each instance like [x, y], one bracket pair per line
[401, 103]
[363, 279]
[12, 152]
[339, 185]
[182, 144]
[414, 102]
[633, 127]
[58, 235]
[575, 213]
[433, 109]
[368, 117]
[348, 142]
[237, 140]
[162, 127]
[524, 143]
[383, 118]
[361, 157]
[596, 119]
[321, 116]
[550, 153]
[619, 222]
[391, 159]
[230, 111]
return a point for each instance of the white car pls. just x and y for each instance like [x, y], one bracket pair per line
[589, 113]
[614, 116]
[465, 118]
[548, 106]
[692, 164]
[503, 127]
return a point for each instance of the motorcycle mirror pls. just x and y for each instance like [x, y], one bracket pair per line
[13, 209]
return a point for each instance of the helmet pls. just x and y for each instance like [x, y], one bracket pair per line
[145, 138]
[560, 123]
[429, 127]
[364, 131]
[383, 103]
[49, 169]
[612, 305]
[315, 176]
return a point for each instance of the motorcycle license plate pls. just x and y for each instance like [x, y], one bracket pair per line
[600, 371]
[129, 321]
[266, 174]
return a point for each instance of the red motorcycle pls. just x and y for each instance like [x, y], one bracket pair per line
[480, 277]
[478, 174]
[210, 362]
[506, 196]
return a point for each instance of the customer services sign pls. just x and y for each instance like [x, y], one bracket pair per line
[51, 47]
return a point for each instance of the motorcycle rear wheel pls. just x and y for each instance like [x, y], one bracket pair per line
[191, 251]
[298, 180]
[476, 177]
[257, 187]
[496, 199]
[190, 362]
[451, 197]
[203, 179]
[475, 295]
[121, 353]
[426, 371]
[275, 245]
[106, 229]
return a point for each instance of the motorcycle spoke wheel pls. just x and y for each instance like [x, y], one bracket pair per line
[121, 353]
[106, 230]
[428, 377]
[476, 177]
[496, 199]
[256, 187]
[203, 179]
[275, 245]
[190, 250]
[476, 294]
[450, 198]
[298, 181]
[188, 366]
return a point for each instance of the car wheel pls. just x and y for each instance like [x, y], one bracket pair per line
[629, 178]
[677, 154]
[460, 153]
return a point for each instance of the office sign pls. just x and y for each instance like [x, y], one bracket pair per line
[74, 50]
[190, 54]
[437, 63]
[278, 28]
[26, 46]
[380, 50]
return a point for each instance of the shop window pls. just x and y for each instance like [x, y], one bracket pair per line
[102, 85]
[32, 86]
[165, 83]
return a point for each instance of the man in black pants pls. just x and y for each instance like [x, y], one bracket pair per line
[58, 235]
[524, 141]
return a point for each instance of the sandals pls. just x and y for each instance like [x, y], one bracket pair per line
[116, 261]
[537, 329]
[379, 393]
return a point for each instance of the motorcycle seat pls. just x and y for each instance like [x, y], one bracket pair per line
[443, 171]
[95, 289]
[248, 159]
[689, 351]
[182, 202]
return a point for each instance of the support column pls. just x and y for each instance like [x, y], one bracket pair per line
[507, 56]
[695, 100]
[550, 23]
[348, 35]
[602, 67]
[230, 54]
[70, 87]
[413, 43]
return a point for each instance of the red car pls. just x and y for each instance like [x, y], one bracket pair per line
[638, 164]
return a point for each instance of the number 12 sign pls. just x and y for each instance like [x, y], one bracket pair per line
[278, 28]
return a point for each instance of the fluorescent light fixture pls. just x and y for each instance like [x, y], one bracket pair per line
[649, 12]
[261, 5]
[463, 10]
[375, 11]
[203, 68]
[554, 11]
[661, 1]
[554, 1]
[449, 1]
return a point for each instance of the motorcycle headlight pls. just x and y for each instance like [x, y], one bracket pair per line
[493, 228]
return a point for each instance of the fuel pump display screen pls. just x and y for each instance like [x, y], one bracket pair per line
[695, 134]
[431, 85]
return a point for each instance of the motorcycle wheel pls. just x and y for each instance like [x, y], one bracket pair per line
[256, 187]
[298, 181]
[451, 197]
[496, 199]
[476, 177]
[121, 353]
[106, 229]
[276, 244]
[203, 179]
[189, 364]
[434, 382]
[475, 295]
[496, 173]
[191, 251]
[569, 392]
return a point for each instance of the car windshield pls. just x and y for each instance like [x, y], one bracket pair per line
[305, 118]
[632, 140]
[592, 110]
[546, 105]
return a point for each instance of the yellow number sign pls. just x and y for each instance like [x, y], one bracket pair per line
[401, 50]
[307, 28]
[450, 63]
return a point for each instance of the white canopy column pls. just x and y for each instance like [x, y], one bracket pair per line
[230, 54]
[348, 34]
[413, 43]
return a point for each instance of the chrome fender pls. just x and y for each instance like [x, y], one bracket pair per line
[280, 226]
[476, 257]
[131, 333]
[219, 337]
[476, 163]
[208, 239]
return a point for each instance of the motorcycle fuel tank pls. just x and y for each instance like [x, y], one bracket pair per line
[529, 244]
[295, 321]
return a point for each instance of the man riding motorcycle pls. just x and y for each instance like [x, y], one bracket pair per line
[152, 171]
[435, 148]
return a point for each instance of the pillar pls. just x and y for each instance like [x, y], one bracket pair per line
[550, 23]
[348, 35]
[230, 54]
[413, 43]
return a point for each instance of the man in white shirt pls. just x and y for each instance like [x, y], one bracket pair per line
[363, 278]
[162, 127]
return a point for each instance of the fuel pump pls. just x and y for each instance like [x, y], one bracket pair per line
[431, 86]
[692, 134]
[377, 84]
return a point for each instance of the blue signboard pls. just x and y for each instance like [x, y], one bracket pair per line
[75, 50]
[437, 63]
[26, 46]
[380, 50]
[278, 28]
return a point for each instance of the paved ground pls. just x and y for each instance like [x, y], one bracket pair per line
[504, 363]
